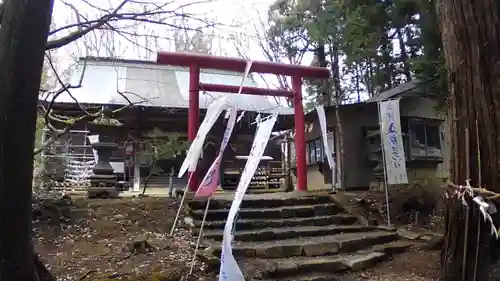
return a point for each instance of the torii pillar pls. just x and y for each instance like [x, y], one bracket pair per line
[195, 62]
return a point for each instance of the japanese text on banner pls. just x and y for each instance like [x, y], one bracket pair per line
[392, 142]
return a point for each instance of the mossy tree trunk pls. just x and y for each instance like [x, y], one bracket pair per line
[471, 43]
[23, 35]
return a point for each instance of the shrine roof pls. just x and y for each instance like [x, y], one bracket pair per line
[103, 80]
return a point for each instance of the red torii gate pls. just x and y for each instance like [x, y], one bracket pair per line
[197, 61]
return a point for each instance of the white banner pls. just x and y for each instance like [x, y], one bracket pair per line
[211, 179]
[233, 111]
[326, 146]
[213, 113]
[93, 139]
[229, 269]
[193, 155]
[392, 142]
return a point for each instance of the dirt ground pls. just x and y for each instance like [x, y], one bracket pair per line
[105, 240]
[414, 265]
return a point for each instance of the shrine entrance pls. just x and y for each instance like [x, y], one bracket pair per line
[195, 62]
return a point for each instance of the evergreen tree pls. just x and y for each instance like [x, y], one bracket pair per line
[471, 44]
[370, 46]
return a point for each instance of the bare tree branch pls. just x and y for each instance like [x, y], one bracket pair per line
[69, 122]
[120, 20]
[117, 15]
[57, 43]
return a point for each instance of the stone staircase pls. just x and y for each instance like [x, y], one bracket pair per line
[292, 236]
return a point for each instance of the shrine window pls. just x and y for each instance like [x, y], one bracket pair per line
[425, 139]
[314, 151]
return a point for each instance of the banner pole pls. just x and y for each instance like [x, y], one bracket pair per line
[385, 166]
[180, 205]
[200, 234]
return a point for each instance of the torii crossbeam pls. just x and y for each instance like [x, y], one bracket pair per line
[195, 62]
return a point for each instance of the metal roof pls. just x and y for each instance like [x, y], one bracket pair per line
[403, 90]
[157, 86]
[394, 92]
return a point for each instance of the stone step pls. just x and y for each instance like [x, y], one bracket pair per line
[293, 268]
[325, 267]
[362, 261]
[255, 268]
[269, 234]
[308, 246]
[253, 224]
[310, 277]
[270, 213]
[261, 201]
[392, 248]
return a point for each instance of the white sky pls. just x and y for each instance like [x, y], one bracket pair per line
[227, 13]
[235, 18]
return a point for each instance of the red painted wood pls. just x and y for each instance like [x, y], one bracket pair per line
[300, 134]
[193, 115]
[198, 61]
[239, 65]
[245, 90]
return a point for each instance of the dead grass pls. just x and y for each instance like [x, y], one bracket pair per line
[96, 244]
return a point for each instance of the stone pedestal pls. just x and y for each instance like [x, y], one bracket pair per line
[103, 181]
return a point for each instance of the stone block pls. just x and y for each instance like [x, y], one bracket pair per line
[386, 227]
[320, 249]
[364, 241]
[278, 251]
[404, 233]
[393, 248]
[287, 213]
[322, 265]
[244, 252]
[359, 262]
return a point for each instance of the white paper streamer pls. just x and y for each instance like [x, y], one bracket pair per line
[322, 122]
[486, 208]
[229, 269]
[194, 152]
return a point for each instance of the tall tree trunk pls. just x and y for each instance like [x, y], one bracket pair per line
[471, 43]
[368, 77]
[431, 37]
[404, 55]
[340, 154]
[358, 89]
[386, 79]
[23, 36]
[325, 93]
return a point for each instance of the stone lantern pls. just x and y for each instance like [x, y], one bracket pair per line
[103, 181]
